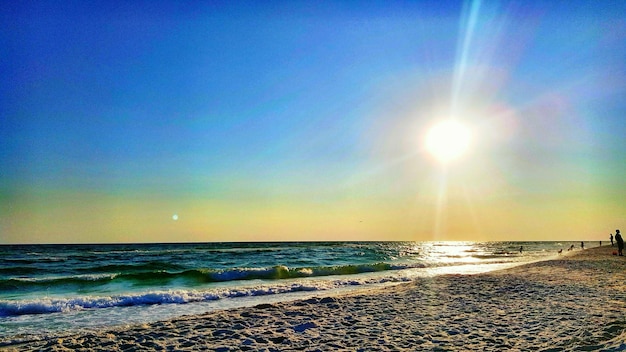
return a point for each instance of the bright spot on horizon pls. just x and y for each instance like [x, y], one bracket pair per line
[175, 217]
[448, 140]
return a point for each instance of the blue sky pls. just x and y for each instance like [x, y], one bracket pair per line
[301, 112]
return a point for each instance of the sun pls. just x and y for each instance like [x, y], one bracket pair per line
[448, 140]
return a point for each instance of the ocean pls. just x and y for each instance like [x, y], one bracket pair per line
[49, 290]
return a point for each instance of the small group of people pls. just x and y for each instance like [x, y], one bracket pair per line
[620, 242]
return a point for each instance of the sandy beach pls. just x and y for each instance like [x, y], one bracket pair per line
[576, 302]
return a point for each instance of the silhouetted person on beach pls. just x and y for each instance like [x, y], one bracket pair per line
[611, 240]
[620, 242]
[582, 245]
[521, 248]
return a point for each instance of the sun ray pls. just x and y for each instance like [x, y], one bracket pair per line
[462, 63]
[439, 223]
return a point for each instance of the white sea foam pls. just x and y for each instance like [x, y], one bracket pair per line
[181, 296]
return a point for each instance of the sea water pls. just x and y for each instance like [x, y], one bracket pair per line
[62, 289]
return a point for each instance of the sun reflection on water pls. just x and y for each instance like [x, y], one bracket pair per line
[452, 252]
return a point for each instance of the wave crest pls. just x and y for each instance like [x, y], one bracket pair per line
[194, 276]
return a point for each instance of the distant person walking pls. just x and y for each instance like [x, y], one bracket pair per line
[611, 240]
[582, 245]
[620, 243]
[521, 248]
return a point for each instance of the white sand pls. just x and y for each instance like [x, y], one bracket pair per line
[574, 303]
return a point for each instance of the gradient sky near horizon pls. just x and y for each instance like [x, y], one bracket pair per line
[159, 121]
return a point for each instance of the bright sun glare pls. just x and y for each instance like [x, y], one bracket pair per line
[448, 140]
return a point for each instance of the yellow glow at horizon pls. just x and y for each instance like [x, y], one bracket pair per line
[448, 140]
[83, 217]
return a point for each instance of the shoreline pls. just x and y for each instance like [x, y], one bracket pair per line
[574, 302]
